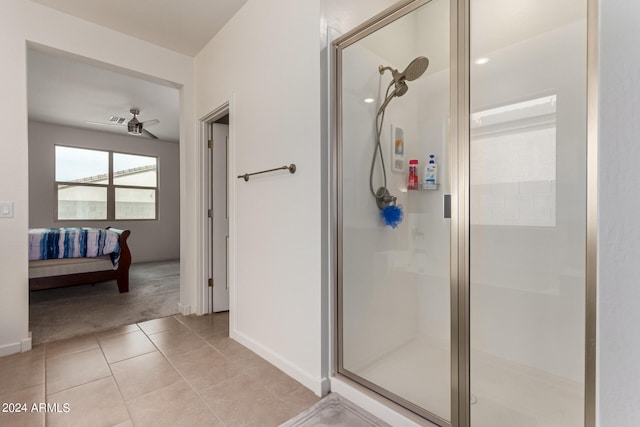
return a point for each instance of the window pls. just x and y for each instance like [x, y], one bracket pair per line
[105, 185]
[513, 162]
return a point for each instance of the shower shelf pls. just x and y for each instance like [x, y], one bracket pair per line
[427, 187]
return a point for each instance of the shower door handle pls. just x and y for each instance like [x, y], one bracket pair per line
[446, 206]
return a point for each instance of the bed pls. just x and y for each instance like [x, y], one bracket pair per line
[60, 257]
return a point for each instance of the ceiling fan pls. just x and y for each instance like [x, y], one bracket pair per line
[134, 126]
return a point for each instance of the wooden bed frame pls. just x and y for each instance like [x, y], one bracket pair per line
[121, 274]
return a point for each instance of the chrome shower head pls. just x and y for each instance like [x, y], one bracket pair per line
[415, 69]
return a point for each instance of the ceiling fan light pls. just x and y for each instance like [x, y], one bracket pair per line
[134, 128]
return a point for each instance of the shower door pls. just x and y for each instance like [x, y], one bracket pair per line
[394, 279]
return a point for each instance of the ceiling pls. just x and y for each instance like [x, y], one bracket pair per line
[72, 91]
[184, 26]
[66, 91]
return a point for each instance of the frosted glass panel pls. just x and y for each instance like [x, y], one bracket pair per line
[527, 212]
[514, 164]
[395, 283]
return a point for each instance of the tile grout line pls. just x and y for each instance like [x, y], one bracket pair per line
[182, 376]
[244, 370]
[89, 382]
[114, 379]
[148, 336]
[203, 335]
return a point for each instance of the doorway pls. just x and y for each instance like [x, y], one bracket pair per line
[134, 183]
[218, 212]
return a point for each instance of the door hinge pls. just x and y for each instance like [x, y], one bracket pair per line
[211, 283]
[210, 143]
[210, 213]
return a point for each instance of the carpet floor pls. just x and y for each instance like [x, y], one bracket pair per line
[154, 292]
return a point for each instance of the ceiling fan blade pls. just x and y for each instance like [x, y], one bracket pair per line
[105, 124]
[151, 122]
[149, 134]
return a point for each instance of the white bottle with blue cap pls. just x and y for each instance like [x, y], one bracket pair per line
[430, 173]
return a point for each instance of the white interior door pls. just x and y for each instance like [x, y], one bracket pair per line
[219, 219]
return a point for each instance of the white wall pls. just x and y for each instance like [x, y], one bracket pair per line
[154, 240]
[618, 207]
[22, 22]
[266, 64]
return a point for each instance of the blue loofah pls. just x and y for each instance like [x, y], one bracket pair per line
[392, 215]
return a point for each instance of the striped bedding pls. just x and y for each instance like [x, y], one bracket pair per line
[81, 242]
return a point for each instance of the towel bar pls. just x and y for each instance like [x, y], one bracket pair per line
[291, 167]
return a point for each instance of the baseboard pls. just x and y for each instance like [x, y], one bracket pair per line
[320, 386]
[8, 349]
[19, 347]
[185, 310]
[25, 344]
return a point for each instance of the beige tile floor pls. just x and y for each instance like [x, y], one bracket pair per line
[174, 371]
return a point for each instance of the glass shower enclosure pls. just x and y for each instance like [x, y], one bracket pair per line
[461, 167]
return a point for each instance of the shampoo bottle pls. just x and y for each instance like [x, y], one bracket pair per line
[430, 173]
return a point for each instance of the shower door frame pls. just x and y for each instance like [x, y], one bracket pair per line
[459, 151]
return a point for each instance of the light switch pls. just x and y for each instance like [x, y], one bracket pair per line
[6, 209]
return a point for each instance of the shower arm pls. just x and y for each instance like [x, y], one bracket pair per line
[394, 71]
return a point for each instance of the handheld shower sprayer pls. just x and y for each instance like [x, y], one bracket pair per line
[384, 200]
